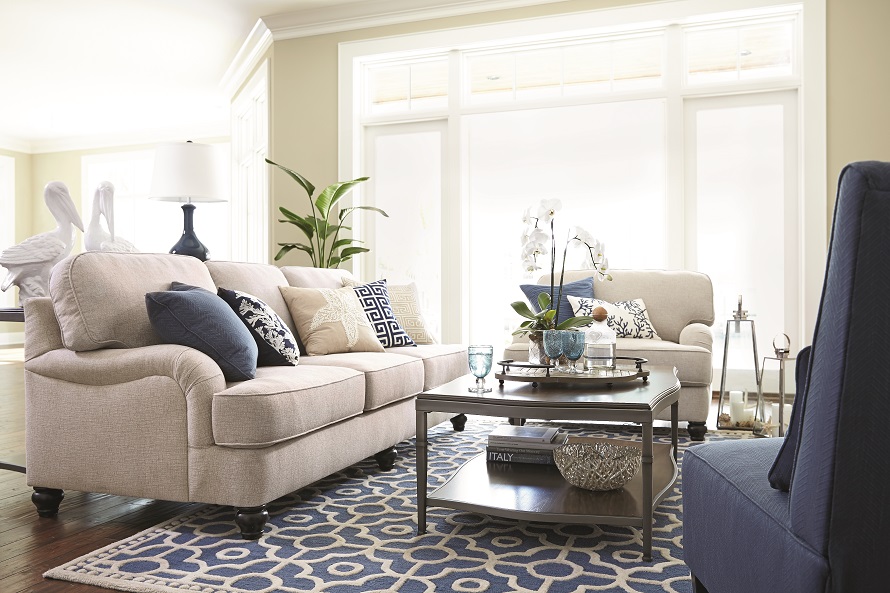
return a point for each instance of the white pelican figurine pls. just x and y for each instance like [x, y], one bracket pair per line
[29, 263]
[97, 238]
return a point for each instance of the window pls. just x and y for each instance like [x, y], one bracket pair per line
[7, 221]
[634, 125]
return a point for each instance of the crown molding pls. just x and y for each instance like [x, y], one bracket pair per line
[146, 137]
[258, 41]
[13, 144]
[362, 15]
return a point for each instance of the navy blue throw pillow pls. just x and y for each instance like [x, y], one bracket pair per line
[275, 342]
[374, 299]
[781, 472]
[195, 317]
[579, 288]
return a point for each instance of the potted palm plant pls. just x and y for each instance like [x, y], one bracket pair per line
[324, 245]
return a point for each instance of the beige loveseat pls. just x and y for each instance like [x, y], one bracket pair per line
[111, 409]
[681, 307]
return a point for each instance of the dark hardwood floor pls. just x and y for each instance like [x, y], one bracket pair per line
[30, 545]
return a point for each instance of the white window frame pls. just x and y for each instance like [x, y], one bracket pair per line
[812, 220]
[7, 226]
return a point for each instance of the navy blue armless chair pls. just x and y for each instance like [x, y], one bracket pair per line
[811, 513]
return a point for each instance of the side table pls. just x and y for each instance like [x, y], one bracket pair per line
[15, 463]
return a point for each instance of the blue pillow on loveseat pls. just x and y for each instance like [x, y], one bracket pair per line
[579, 288]
[195, 317]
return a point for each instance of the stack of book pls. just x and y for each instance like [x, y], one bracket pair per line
[524, 444]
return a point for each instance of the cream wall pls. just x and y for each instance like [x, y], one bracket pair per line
[858, 94]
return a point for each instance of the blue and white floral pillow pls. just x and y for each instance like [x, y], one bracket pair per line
[629, 319]
[276, 343]
[375, 301]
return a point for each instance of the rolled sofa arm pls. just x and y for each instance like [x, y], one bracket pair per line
[697, 334]
[191, 374]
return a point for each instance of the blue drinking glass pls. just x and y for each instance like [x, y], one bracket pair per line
[573, 347]
[479, 358]
[553, 345]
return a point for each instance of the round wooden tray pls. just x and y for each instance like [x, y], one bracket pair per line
[541, 373]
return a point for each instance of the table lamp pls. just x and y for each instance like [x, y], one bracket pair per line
[187, 172]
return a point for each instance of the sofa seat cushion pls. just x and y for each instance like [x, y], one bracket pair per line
[693, 363]
[388, 377]
[726, 491]
[441, 362]
[285, 402]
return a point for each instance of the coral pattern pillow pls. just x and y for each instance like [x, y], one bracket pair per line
[629, 319]
[375, 301]
[276, 344]
[330, 320]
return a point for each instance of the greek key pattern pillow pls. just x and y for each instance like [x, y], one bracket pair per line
[374, 299]
[276, 343]
[405, 303]
[629, 319]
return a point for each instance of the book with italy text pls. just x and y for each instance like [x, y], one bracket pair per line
[521, 434]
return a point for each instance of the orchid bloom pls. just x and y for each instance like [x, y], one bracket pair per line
[548, 210]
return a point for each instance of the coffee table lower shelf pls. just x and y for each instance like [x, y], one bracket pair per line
[530, 492]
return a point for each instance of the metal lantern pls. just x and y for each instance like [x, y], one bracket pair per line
[773, 423]
[725, 420]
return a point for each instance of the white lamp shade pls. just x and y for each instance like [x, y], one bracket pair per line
[187, 172]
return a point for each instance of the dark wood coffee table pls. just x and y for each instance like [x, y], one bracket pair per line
[539, 492]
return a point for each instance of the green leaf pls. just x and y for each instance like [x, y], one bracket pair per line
[350, 251]
[303, 224]
[543, 300]
[522, 308]
[344, 242]
[310, 189]
[332, 229]
[287, 247]
[335, 261]
[575, 322]
[345, 211]
[329, 197]
[549, 314]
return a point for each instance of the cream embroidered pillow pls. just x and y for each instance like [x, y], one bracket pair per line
[330, 320]
[629, 319]
[405, 304]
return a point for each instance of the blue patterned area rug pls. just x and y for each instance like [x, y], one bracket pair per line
[355, 531]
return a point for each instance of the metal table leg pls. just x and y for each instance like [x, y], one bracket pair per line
[647, 491]
[421, 462]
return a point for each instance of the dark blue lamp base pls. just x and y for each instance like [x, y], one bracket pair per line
[189, 244]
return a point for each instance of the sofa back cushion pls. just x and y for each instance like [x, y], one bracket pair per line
[99, 297]
[674, 298]
[260, 280]
[302, 277]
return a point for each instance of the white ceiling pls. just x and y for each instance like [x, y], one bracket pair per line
[71, 70]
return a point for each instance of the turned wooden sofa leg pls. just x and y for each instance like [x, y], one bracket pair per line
[459, 422]
[47, 501]
[696, 430]
[250, 520]
[386, 459]
[697, 587]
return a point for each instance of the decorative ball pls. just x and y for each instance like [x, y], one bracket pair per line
[600, 314]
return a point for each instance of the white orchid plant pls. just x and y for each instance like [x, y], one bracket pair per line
[536, 243]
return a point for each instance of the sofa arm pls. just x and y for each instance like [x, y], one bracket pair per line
[193, 372]
[697, 334]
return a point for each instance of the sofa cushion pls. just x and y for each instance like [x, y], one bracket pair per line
[276, 344]
[260, 280]
[195, 317]
[305, 277]
[388, 377]
[441, 362]
[330, 320]
[99, 297]
[282, 403]
[725, 489]
[693, 363]
[375, 301]
[578, 288]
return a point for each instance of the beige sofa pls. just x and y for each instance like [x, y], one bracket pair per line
[111, 409]
[681, 307]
